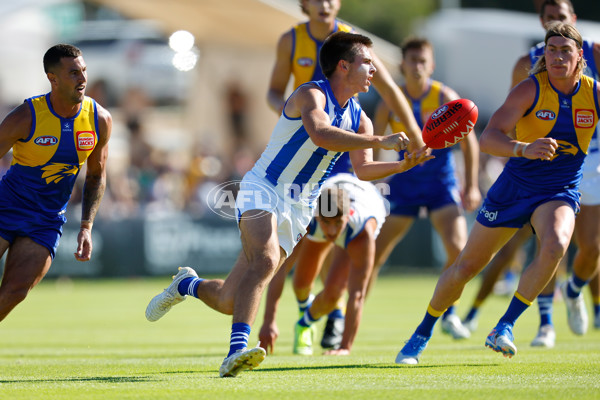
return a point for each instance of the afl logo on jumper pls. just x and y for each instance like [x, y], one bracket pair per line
[584, 118]
[439, 112]
[86, 140]
[545, 115]
[305, 62]
[46, 141]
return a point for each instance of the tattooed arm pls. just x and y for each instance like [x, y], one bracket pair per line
[95, 183]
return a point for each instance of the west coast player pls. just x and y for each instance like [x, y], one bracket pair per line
[539, 183]
[51, 136]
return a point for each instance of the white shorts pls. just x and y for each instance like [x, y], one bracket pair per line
[590, 182]
[292, 218]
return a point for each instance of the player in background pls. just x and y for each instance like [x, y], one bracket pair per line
[51, 136]
[539, 183]
[587, 223]
[349, 214]
[320, 120]
[297, 56]
[433, 185]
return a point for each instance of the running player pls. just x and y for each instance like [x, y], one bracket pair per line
[52, 136]
[297, 56]
[433, 185]
[319, 121]
[555, 113]
[587, 226]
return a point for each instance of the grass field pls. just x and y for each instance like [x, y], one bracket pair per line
[90, 340]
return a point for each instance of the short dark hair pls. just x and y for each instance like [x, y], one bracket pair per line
[555, 3]
[302, 8]
[414, 43]
[340, 46]
[56, 52]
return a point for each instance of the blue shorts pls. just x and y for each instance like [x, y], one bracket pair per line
[406, 197]
[42, 229]
[510, 205]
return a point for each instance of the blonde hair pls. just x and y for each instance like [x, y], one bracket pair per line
[565, 30]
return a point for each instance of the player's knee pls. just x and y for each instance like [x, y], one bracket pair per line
[13, 294]
[357, 296]
[264, 266]
[302, 283]
[465, 270]
[554, 248]
[590, 251]
[331, 297]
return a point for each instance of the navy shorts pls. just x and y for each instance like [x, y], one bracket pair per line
[42, 229]
[406, 197]
[510, 205]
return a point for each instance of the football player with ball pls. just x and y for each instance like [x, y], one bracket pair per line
[539, 183]
[433, 185]
[320, 120]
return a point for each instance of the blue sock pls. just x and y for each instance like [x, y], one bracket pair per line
[510, 276]
[596, 308]
[425, 328]
[239, 337]
[574, 286]
[472, 314]
[545, 303]
[515, 309]
[304, 305]
[336, 314]
[449, 311]
[189, 286]
[307, 319]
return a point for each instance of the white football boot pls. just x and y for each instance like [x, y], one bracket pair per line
[162, 302]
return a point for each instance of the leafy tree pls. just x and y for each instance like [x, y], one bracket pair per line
[389, 19]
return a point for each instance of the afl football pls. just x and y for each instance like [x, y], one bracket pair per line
[450, 123]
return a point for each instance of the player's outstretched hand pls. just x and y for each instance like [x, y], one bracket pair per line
[267, 336]
[397, 141]
[416, 157]
[84, 245]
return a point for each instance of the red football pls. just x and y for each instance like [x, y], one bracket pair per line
[450, 123]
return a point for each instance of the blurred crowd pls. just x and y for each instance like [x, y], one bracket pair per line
[145, 177]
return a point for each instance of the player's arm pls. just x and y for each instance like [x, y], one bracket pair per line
[94, 185]
[495, 139]
[380, 123]
[308, 103]
[596, 53]
[396, 101]
[367, 170]
[470, 195]
[520, 70]
[362, 255]
[280, 75]
[16, 126]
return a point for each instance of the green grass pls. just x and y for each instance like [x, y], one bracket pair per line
[90, 340]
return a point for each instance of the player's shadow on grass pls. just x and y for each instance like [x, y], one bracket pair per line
[369, 366]
[101, 379]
